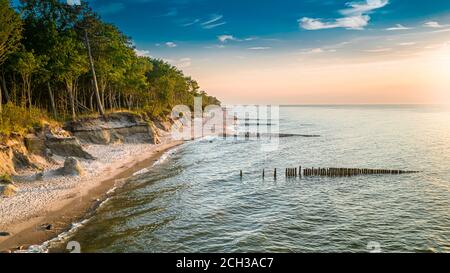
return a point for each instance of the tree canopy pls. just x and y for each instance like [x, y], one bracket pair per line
[63, 59]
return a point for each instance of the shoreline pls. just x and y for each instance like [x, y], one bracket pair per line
[80, 198]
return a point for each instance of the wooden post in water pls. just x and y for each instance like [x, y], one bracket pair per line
[241, 174]
[263, 173]
[300, 171]
[275, 173]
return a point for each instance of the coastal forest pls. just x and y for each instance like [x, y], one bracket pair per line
[62, 62]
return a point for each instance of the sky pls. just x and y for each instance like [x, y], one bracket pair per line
[297, 52]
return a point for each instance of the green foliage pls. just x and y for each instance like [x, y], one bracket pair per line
[18, 119]
[10, 30]
[51, 66]
[5, 179]
[69, 60]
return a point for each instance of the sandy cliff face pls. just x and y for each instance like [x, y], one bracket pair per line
[14, 156]
[116, 128]
[34, 151]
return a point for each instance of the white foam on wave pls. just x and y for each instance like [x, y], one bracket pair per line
[165, 156]
[112, 190]
[44, 247]
[145, 170]
[209, 138]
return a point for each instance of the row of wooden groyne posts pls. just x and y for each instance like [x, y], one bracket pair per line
[332, 172]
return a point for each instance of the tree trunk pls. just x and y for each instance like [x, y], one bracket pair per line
[94, 76]
[91, 104]
[110, 101]
[28, 86]
[4, 87]
[52, 100]
[71, 100]
[1, 105]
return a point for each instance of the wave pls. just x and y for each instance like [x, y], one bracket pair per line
[166, 156]
[64, 236]
[44, 247]
[145, 170]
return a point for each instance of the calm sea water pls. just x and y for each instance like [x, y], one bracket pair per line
[195, 200]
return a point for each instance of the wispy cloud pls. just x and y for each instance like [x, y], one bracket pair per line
[378, 50]
[354, 22]
[142, 53]
[434, 24]
[224, 38]
[214, 21]
[215, 46]
[398, 27]
[191, 23]
[227, 37]
[260, 48]
[407, 44]
[318, 50]
[184, 62]
[171, 44]
[441, 30]
[358, 8]
[214, 25]
[180, 63]
[355, 16]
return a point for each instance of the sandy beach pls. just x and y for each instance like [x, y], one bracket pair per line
[59, 201]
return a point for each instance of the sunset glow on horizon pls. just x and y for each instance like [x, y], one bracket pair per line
[298, 52]
[421, 78]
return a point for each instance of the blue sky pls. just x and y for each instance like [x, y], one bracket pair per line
[200, 22]
[294, 51]
[271, 51]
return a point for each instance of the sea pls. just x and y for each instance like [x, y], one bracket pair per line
[195, 199]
